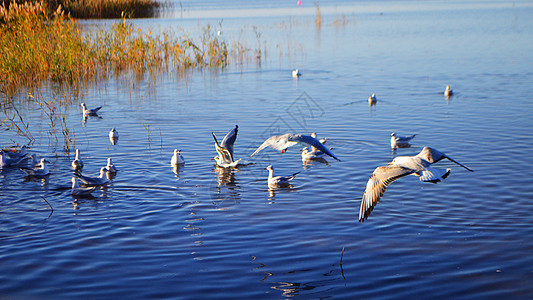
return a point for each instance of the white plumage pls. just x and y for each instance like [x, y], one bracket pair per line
[401, 166]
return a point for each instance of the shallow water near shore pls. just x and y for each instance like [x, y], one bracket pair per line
[201, 232]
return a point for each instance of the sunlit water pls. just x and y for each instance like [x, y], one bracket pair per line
[205, 234]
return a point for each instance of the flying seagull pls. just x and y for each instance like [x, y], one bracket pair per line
[282, 142]
[419, 165]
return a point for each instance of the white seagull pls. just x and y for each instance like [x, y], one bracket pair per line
[372, 100]
[177, 159]
[282, 142]
[110, 167]
[16, 154]
[90, 111]
[113, 134]
[225, 149]
[296, 73]
[5, 161]
[40, 171]
[314, 153]
[278, 181]
[398, 141]
[448, 91]
[78, 191]
[94, 181]
[419, 165]
[35, 163]
[77, 163]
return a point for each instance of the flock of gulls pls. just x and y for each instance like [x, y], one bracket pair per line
[420, 165]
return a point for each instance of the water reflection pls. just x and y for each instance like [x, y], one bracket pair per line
[291, 288]
[227, 187]
[307, 163]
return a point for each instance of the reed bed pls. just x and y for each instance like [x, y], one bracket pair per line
[37, 45]
[90, 9]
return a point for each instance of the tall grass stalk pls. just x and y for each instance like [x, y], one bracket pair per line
[37, 46]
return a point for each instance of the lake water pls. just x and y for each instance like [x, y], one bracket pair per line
[204, 233]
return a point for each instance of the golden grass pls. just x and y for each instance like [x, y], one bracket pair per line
[37, 45]
[90, 9]
[109, 8]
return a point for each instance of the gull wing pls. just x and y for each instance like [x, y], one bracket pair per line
[434, 175]
[224, 154]
[278, 142]
[307, 139]
[229, 140]
[376, 186]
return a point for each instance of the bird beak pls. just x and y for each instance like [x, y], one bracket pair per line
[450, 159]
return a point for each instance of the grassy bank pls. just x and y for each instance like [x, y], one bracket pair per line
[38, 45]
[90, 9]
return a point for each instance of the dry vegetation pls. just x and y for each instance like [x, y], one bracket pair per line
[39, 45]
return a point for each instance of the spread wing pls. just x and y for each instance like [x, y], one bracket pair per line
[278, 142]
[307, 139]
[224, 154]
[229, 140]
[434, 175]
[376, 185]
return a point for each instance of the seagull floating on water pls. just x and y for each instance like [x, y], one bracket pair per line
[314, 153]
[77, 163]
[16, 154]
[398, 141]
[278, 181]
[419, 165]
[177, 159]
[94, 181]
[35, 163]
[372, 100]
[296, 73]
[282, 142]
[113, 134]
[5, 161]
[448, 91]
[225, 149]
[40, 171]
[110, 167]
[79, 191]
[90, 111]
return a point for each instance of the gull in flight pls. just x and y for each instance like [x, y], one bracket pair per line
[78, 191]
[77, 163]
[94, 181]
[177, 159]
[40, 171]
[398, 141]
[282, 142]
[90, 111]
[16, 154]
[372, 100]
[296, 73]
[419, 165]
[314, 153]
[278, 181]
[448, 91]
[5, 161]
[225, 158]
